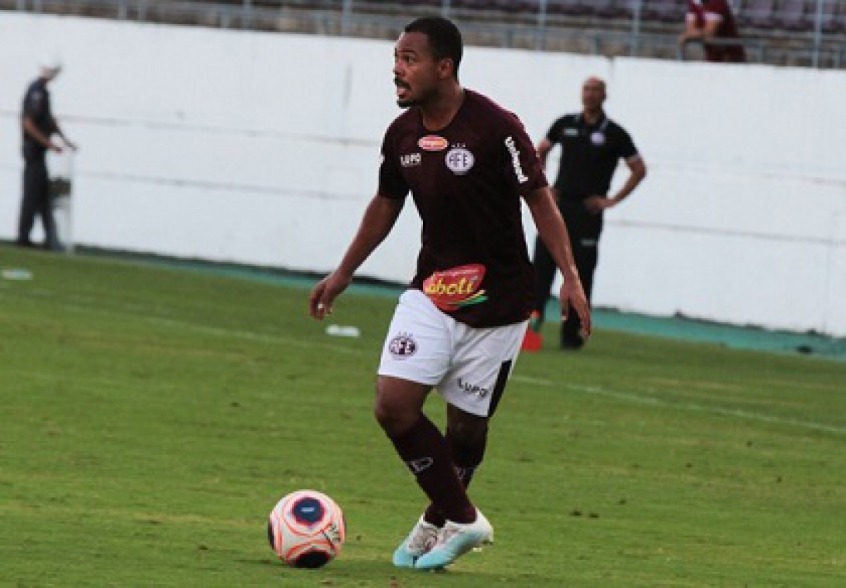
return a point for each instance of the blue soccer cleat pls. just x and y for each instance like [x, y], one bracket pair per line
[454, 540]
[421, 539]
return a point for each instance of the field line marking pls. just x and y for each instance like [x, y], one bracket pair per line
[219, 331]
[690, 406]
[252, 336]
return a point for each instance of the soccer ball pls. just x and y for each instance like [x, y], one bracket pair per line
[306, 529]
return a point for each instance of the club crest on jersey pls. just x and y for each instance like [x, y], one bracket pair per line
[456, 288]
[432, 143]
[459, 160]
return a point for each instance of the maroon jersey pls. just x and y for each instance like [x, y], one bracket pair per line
[467, 180]
[705, 10]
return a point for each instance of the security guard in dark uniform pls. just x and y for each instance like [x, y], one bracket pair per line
[38, 127]
[591, 147]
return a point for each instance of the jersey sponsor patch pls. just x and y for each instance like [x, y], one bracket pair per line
[457, 287]
[515, 160]
[459, 160]
[432, 143]
[411, 160]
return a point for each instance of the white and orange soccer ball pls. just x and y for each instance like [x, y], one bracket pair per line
[306, 529]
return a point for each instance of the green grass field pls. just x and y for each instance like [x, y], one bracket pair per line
[150, 418]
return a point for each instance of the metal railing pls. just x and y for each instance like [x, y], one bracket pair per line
[814, 37]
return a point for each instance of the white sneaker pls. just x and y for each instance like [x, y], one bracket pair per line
[455, 540]
[421, 539]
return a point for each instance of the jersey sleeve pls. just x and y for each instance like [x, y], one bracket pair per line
[553, 135]
[522, 166]
[35, 103]
[627, 146]
[391, 182]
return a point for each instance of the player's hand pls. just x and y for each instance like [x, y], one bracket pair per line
[596, 204]
[55, 148]
[324, 294]
[573, 299]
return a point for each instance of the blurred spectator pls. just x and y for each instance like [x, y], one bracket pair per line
[591, 147]
[39, 126]
[712, 20]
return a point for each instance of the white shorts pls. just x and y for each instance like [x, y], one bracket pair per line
[468, 366]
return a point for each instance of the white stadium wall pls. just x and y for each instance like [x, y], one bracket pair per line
[262, 149]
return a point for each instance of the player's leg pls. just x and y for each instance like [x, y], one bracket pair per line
[421, 445]
[424, 450]
[473, 388]
[467, 437]
[28, 204]
[415, 357]
[45, 209]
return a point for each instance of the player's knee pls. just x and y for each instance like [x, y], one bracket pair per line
[393, 419]
[467, 430]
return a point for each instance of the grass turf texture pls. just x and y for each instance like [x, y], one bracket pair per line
[151, 417]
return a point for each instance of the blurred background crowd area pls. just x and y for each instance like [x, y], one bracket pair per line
[805, 33]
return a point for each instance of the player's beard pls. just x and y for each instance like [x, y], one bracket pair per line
[407, 101]
[422, 97]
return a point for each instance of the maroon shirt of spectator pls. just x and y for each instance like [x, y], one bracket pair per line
[713, 19]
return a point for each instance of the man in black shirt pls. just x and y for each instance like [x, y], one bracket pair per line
[591, 146]
[38, 126]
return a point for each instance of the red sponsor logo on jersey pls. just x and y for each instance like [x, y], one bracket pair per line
[432, 143]
[454, 288]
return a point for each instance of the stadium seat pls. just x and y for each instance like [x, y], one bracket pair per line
[611, 8]
[669, 11]
[757, 14]
[795, 15]
[473, 4]
[568, 7]
[432, 3]
[834, 17]
[510, 6]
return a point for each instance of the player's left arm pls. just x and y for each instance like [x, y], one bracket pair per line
[553, 233]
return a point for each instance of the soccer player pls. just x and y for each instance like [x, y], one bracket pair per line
[459, 326]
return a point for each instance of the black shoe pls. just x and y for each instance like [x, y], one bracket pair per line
[24, 243]
[572, 342]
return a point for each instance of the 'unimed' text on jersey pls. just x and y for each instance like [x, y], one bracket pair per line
[467, 180]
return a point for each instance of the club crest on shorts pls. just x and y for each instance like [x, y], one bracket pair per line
[402, 346]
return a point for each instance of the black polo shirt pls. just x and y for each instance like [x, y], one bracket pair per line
[36, 105]
[589, 154]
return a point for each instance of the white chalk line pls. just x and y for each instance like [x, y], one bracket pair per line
[689, 406]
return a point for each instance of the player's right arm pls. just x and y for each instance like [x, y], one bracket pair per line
[378, 220]
[553, 233]
[33, 132]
